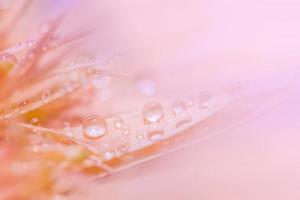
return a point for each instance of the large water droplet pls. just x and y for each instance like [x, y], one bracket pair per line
[95, 127]
[153, 112]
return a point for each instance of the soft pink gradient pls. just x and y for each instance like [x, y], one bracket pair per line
[191, 45]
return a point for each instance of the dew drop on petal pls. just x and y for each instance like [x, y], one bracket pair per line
[179, 108]
[153, 112]
[45, 96]
[94, 127]
[29, 43]
[34, 121]
[181, 113]
[123, 145]
[108, 155]
[140, 137]
[10, 58]
[204, 100]
[155, 135]
[22, 104]
[155, 131]
[70, 86]
[126, 132]
[118, 122]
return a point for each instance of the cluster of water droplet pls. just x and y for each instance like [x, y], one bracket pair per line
[153, 114]
[181, 113]
[155, 123]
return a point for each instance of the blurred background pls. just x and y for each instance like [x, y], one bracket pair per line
[182, 47]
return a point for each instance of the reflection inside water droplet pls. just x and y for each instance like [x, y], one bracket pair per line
[34, 121]
[153, 112]
[182, 116]
[118, 122]
[108, 155]
[95, 127]
[179, 108]
[155, 135]
[126, 131]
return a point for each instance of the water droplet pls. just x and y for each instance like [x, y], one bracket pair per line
[123, 145]
[179, 108]
[153, 112]
[155, 135]
[108, 155]
[30, 43]
[12, 59]
[118, 122]
[155, 131]
[191, 102]
[23, 104]
[95, 73]
[95, 127]
[34, 121]
[126, 132]
[140, 137]
[204, 99]
[70, 86]
[182, 116]
[45, 96]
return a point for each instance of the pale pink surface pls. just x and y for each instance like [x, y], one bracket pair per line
[204, 44]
